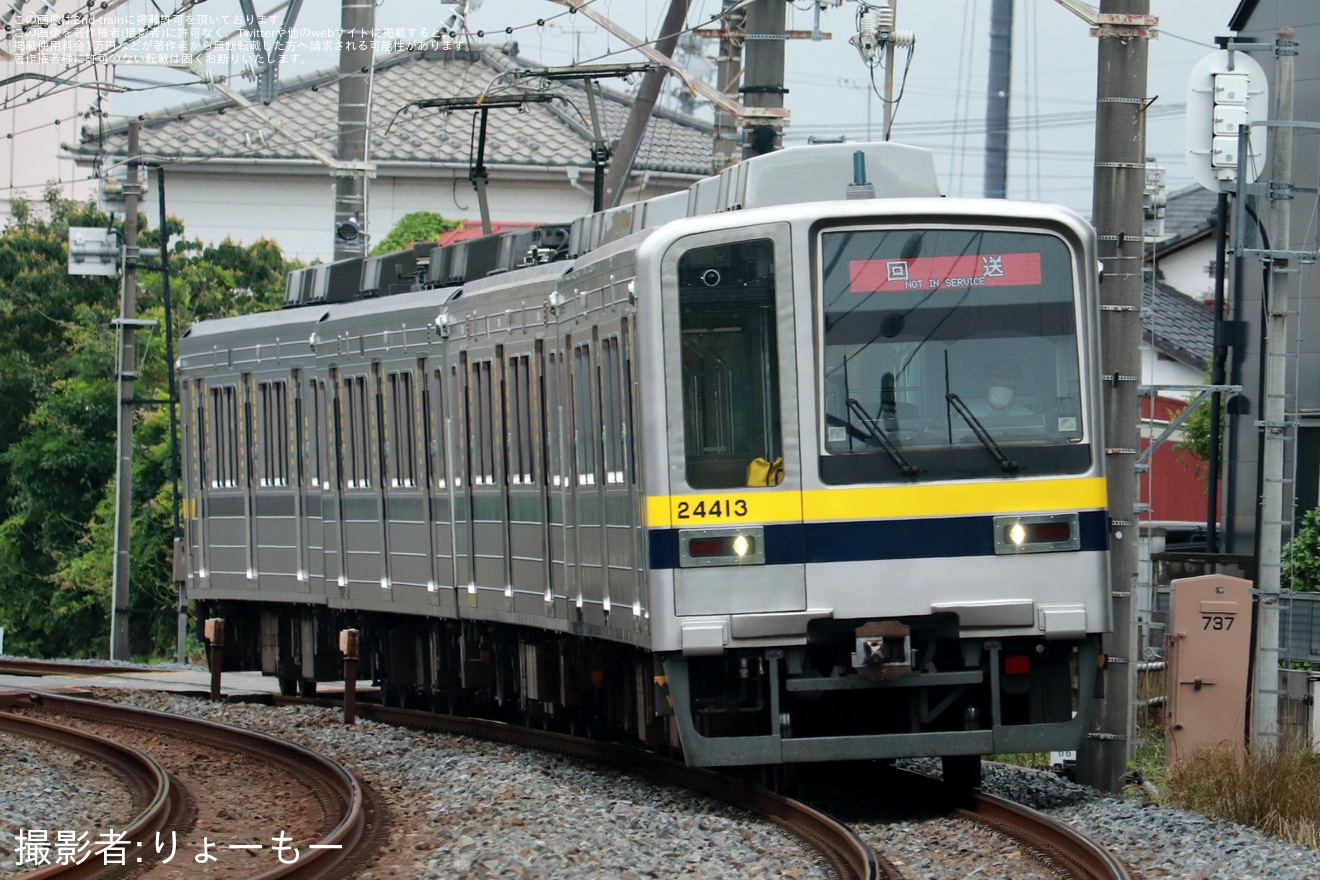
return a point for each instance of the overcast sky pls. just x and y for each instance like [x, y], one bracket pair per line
[1051, 146]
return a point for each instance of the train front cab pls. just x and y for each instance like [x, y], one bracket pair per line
[860, 566]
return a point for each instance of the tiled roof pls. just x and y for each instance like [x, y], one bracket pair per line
[1177, 325]
[1189, 214]
[554, 134]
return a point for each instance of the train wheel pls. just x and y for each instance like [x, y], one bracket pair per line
[288, 686]
[962, 772]
[307, 688]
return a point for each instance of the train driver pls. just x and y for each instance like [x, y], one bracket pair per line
[1001, 382]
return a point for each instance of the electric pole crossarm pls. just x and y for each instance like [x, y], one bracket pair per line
[700, 86]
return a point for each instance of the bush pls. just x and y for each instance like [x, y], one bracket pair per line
[1301, 555]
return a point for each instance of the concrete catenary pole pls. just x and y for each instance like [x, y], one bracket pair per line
[1275, 430]
[126, 373]
[763, 72]
[997, 94]
[625, 151]
[728, 71]
[358, 25]
[1120, 177]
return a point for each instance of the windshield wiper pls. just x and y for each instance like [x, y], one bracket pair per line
[1006, 464]
[882, 439]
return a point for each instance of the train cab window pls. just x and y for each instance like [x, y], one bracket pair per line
[730, 375]
[948, 353]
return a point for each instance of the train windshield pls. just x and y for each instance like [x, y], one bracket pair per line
[948, 353]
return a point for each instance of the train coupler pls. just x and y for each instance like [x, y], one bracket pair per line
[883, 650]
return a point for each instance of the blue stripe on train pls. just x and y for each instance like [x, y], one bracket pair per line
[873, 540]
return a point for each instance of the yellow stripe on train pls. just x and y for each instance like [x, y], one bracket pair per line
[772, 505]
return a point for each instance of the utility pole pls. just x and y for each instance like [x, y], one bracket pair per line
[126, 372]
[1276, 430]
[625, 151]
[763, 72]
[998, 90]
[728, 66]
[1123, 28]
[357, 34]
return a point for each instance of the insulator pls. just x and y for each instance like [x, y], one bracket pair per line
[884, 19]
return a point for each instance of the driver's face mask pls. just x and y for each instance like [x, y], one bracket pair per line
[999, 396]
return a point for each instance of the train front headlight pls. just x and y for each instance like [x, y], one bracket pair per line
[1038, 533]
[703, 548]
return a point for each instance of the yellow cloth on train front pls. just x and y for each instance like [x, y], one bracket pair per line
[765, 473]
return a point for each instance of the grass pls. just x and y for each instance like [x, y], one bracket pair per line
[1277, 792]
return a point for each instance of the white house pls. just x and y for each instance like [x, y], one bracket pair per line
[249, 173]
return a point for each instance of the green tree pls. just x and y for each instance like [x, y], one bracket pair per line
[417, 226]
[57, 433]
[1301, 555]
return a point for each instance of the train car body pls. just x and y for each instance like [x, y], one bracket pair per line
[719, 478]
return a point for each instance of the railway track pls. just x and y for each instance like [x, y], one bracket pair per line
[1063, 851]
[334, 850]
[158, 804]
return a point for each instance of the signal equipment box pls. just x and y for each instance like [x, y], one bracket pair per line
[1209, 655]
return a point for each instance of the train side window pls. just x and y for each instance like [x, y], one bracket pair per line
[401, 451]
[273, 404]
[481, 424]
[551, 418]
[521, 467]
[433, 423]
[586, 438]
[224, 444]
[462, 409]
[316, 437]
[629, 416]
[200, 433]
[612, 409]
[730, 374]
[354, 419]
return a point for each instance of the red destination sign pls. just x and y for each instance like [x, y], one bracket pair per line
[933, 273]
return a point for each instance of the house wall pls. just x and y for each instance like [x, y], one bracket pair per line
[1186, 270]
[293, 205]
[1173, 487]
[37, 117]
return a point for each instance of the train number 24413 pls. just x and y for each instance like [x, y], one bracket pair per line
[715, 508]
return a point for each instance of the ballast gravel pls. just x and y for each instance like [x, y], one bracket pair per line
[464, 808]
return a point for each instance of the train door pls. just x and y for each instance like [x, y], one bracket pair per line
[620, 521]
[246, 478]
[460, 445]
[363, 552]
[332, 502]
[192, 399]
[438, 457]
[300, 477]
[525, 513]
[554, 416]
[735, 508]
[587, 519]
[488, 494]
[314, 478]
[224, 541]
[408, 535]
[276, 534]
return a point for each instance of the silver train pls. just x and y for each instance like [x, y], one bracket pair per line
[714, 471]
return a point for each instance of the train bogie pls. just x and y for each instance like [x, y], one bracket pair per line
[774, 483]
